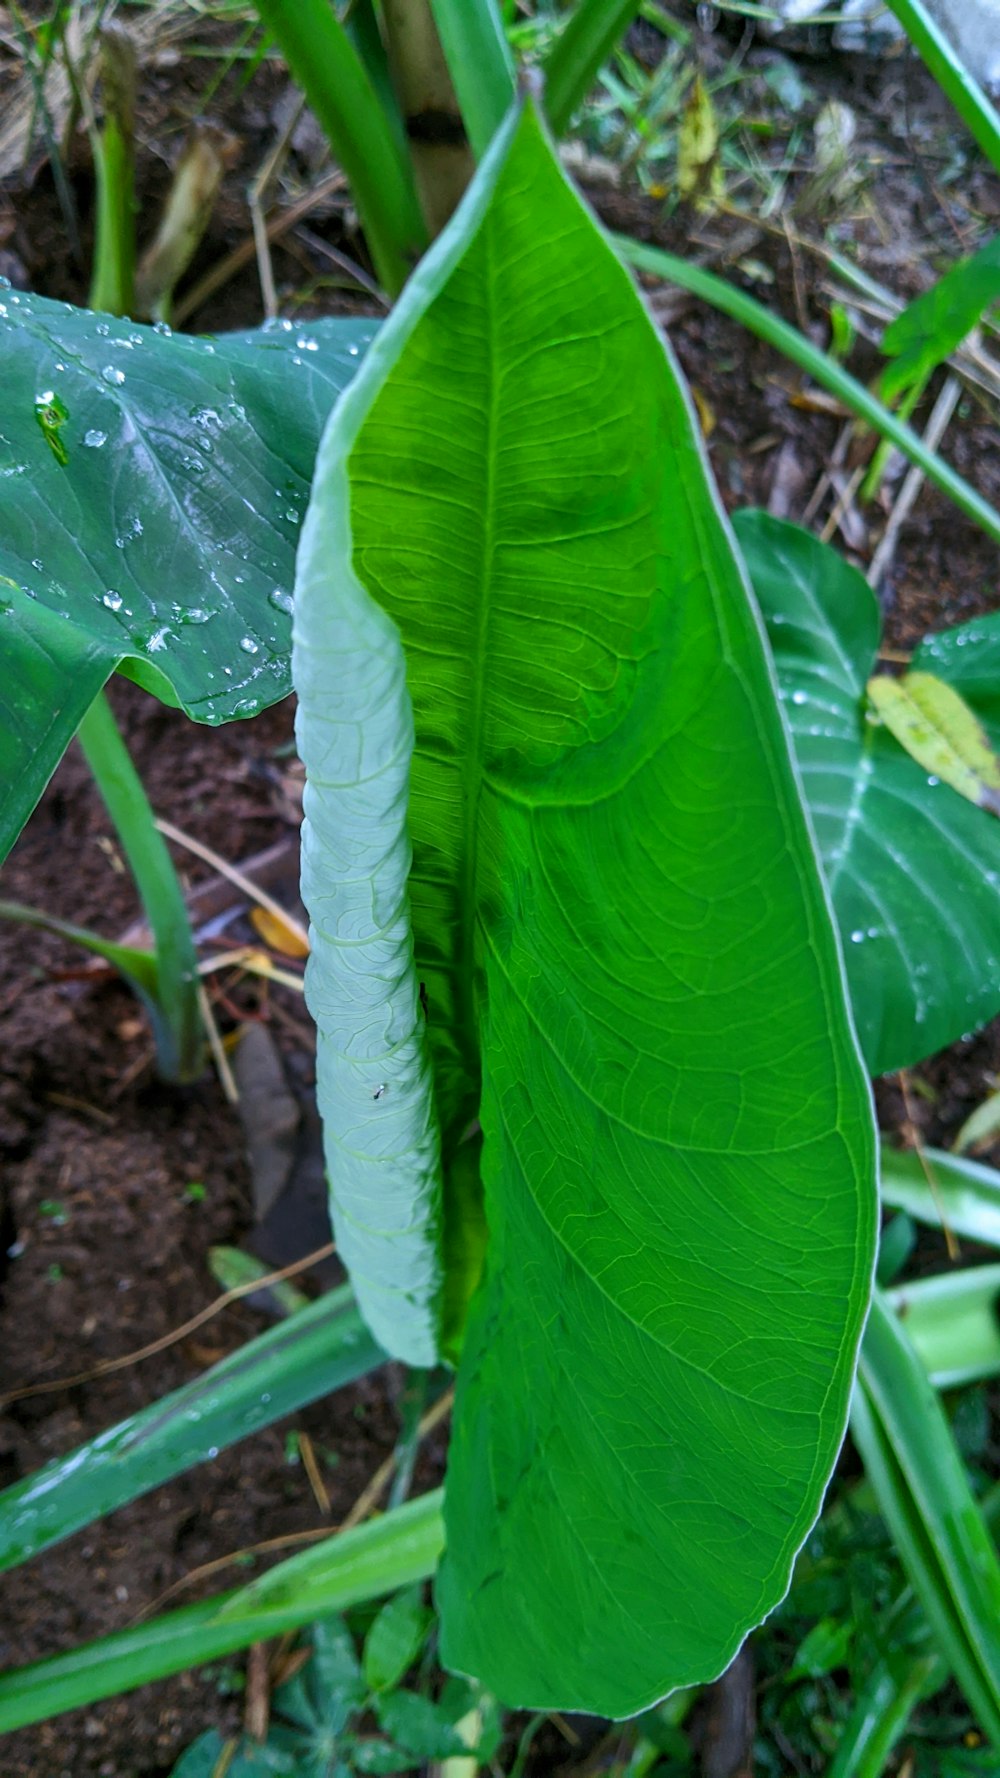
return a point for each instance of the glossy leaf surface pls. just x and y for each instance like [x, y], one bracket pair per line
[619, 922]
[161, 533]
[913, 869]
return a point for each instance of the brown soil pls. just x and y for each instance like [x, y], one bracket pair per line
[84, 1124]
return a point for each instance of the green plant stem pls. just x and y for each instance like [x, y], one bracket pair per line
[571, 65]
[480, 64]
[951, 74]
[394, 1551]
[319, 1349]
[179, 1031]
[112, 288]
[794, 346]
[333, 77]
[876, 468]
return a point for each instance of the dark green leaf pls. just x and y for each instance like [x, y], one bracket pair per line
[930, 327]
[374, 1755]
[395, 1639]
[913, 869]
[618, 917]
[166, 539]
[419, 1725]
[824, 1649]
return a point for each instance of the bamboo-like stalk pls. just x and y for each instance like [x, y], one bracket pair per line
[442, 159]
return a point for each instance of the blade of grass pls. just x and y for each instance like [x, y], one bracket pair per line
[138, 967]
[882, 1709]
[951, 1322]
[391, 1552]
[480, 64]
[967, 1193]
[333, 77]
[908, 1670]
[317, 1350]
[179, 1044]
[914, 1466]
[951, 74]
[362, 27]
[571, 65]
[795, 346]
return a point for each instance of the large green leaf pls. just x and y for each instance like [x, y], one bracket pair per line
[155, 524]
[618, 916]
[913, 869]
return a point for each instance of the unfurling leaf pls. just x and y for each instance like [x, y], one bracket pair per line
[524, 648]
[937, 728]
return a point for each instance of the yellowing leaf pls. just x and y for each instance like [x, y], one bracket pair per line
[937, 728]
[283, 936]
[705, 411]
[699, 175]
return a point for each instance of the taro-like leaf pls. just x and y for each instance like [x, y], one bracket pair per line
[913, 869]
[151, 487]
[627, 963]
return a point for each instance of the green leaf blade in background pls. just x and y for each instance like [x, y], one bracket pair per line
[945, 1544]
[938, 320]
[319, 1349]
[618, 914]
[913, 869]
[165, 542]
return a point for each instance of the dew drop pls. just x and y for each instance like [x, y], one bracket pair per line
[158, 640]
[112, 600]
[281, 600]
[162, 329]
[857, 936]
[800, 697]
[113, 375]
[94, 438]
[248, 645]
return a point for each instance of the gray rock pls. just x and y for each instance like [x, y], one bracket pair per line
[972, 25]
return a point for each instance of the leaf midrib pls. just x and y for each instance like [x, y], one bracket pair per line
[472, 772]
